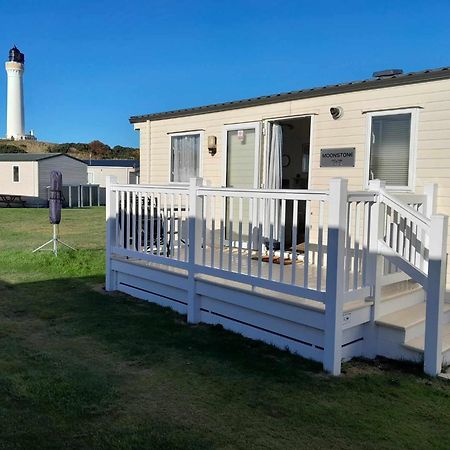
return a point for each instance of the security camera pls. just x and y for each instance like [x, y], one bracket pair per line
[336, 112]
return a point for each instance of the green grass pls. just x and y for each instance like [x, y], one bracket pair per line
[84, 370]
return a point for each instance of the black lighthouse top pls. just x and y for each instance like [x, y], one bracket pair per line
[16, 55]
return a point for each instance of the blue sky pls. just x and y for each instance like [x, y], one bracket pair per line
[92, 64]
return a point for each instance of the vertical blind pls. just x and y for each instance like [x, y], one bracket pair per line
[390, 149]
[185, 157]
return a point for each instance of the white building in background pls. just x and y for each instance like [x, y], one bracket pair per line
[15, 113]
[27, 175]
[126, 171]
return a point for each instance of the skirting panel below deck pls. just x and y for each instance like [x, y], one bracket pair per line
[283, 324]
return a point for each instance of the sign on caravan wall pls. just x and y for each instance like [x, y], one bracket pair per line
[337, 157]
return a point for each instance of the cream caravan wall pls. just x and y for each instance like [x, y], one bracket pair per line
[28, 178]
[433, 145]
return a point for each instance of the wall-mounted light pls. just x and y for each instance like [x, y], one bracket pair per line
[212, 145]
[336, 112]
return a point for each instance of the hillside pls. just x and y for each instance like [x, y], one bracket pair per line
[94, 149]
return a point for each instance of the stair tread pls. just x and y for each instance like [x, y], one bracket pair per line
[418, 343]
[407, 317]
[394, 290]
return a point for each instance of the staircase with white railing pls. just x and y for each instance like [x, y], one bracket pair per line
[409, 241]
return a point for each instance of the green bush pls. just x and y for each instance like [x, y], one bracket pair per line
[8, 148]
[97, 150]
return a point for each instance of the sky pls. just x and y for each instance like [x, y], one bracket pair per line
[90, 65]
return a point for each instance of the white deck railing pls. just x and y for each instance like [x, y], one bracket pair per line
[327, 246]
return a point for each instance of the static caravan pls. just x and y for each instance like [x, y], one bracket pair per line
[314, 220]
[26, 176]
[126, 171]
[394, 127]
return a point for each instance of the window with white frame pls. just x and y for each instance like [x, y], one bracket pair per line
[185, 157]
[391, 148]
[16, 176]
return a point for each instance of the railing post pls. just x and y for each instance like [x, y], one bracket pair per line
[337, 211]
[430, 192]
[111, 217]
[375, 264]
[429, 208]
[194, 242]
[437, 270]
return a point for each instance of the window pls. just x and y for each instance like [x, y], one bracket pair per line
[185, 157]
[16, 174]
[391, 156]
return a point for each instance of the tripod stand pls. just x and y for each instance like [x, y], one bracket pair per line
[54, 241]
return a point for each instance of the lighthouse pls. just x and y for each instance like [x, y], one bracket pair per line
[15, 115]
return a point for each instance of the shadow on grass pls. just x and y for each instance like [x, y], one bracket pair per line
[139, 330]
[82, 369]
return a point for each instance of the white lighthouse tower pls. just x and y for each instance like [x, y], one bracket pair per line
[15, 114]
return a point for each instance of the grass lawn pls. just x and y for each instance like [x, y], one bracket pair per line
[84, 370]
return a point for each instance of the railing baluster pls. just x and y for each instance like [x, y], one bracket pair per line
[366, 240]
[410, 242]
[348, 246]
[172, 226]
[320, 247]
[165, 226]
[356, 246]
[178, 225]
[204, 222]
[151, 240]
[186, 222]
[394, 237]
[307, 238]
[282, 228]
[230, 232]
[240, 236]
[117, 216]
[294, 240]
[222, 231]
[158, 224]
[128, 229]
[402, 236]
[139, 219]
[145, 243]
[260, 215]
[213, 229]
[133, 221]
[250, 236]
[271, 230]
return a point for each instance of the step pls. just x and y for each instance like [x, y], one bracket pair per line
[408, 323]
[418, 344]
[400, 295]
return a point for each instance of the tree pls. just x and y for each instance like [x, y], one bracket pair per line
[98, 148]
